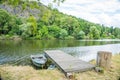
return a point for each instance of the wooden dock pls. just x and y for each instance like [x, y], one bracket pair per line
[68, 63]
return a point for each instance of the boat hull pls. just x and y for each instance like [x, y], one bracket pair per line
[38, 60]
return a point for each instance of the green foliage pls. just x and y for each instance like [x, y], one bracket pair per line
[69, 23]
[63, 34]
[13, 2]
[69, 38]
[13, 25]
[33, 4]
[24, 5]
[4, 22]
[4, 17]
[0, 1]
[9, 24]
[46, 16]
[54, 31]
[80, 35]
[51, 24]
[33, 25]
[117, 32]
[24, 30]
[44, 31]
[94, 33]
[29, 29]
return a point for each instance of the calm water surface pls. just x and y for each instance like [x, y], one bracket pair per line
[18, 52]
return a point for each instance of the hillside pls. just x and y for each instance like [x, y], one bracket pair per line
[32, 20]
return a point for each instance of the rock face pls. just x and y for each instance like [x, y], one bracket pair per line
[18, 11]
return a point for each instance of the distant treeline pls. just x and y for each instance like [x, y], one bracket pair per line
[50, 24]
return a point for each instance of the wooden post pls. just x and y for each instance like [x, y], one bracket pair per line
[104, 59]
[69, 75]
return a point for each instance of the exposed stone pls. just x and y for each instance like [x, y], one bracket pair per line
[19, 12]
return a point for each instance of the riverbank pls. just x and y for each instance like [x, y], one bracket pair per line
[8, 37]
[9, 72]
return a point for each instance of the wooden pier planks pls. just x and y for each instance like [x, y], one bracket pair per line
[68, 63]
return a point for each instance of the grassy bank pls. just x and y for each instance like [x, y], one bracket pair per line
[29, 73]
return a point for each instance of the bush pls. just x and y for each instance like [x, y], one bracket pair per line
[4, 20]
[63, 33]
[54, 31]
[69, 38]
[81, 35]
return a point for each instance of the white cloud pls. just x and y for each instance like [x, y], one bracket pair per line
[105, 19]
[105, 12]
[116, 20]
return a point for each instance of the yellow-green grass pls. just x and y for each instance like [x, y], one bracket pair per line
[9, 72]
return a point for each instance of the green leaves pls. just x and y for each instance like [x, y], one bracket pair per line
[54, 31]
[80, 35]
[94, 33]
[4, 20]
[63, 34]
[33, 25]
[4, 17]
[51, 24]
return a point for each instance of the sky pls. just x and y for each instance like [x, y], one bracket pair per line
[105, 12]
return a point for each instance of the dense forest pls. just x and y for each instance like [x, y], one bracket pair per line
[33, 20]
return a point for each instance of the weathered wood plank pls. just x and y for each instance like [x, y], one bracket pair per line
[68, 63]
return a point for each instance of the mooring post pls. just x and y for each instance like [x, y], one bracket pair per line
[104, 59]
[69, 75]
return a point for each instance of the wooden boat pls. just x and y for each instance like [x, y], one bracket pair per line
[38, 60]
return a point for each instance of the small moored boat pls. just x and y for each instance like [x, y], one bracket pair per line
[38, 60]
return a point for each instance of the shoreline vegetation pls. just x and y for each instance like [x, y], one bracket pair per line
[3, 37]
[9, 72]
[16, 37]
[33, 20]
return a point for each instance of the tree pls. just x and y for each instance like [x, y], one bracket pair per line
[46, 16]
[81, 35]
[111, 30]
[13, 26]
[117, 32]
[4, 20]
[25, 30]
[29, 28]
[94, 33]
[43, 32]
[86, 28]
[33, 25]
[63, 34]
[70, 24]
[54, 31]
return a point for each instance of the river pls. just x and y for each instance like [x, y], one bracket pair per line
[18, 52]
